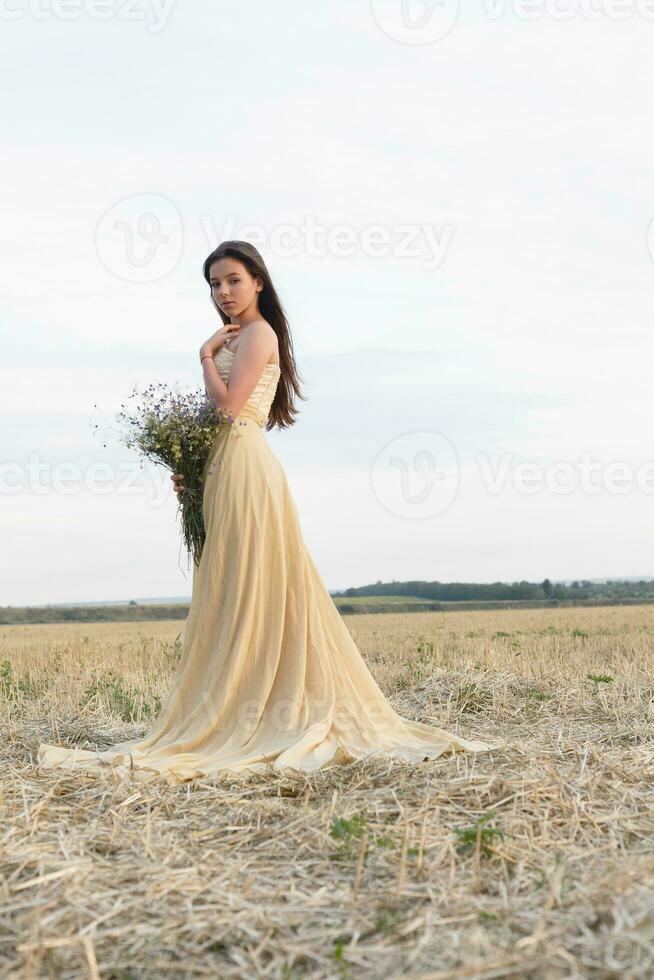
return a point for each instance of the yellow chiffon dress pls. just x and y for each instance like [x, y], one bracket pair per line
[269, 677]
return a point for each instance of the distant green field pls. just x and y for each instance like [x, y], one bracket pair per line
[132, 613]
[347, 606]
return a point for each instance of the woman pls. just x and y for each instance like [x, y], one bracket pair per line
[270, 677]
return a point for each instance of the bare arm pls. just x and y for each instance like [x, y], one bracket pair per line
[254, 350]
[253, 354]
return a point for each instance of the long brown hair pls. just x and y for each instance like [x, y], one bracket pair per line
[282, 410]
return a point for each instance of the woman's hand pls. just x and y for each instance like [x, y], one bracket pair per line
[219, 338]
[177, 483]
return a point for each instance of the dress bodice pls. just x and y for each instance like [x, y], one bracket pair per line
[264, 391]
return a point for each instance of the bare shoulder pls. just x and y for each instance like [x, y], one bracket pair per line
[261, 334]
[261, 329]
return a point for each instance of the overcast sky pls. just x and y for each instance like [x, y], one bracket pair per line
[455, 207]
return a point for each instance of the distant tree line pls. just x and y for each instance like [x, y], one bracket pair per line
[481, 591]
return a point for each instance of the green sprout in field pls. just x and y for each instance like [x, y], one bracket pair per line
[598, 679]
[478, 834]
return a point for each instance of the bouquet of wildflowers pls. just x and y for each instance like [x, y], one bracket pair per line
[177, 430]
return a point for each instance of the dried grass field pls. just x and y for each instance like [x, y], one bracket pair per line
[534, 860]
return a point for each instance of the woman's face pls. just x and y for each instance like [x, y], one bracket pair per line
[233, 289]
